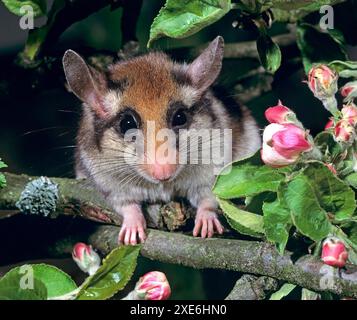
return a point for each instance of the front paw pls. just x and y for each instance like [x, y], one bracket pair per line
[207, 223]
[132, 230]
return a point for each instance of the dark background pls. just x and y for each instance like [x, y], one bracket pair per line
[38, 127]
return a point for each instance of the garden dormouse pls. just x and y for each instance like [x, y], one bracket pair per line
[153, 92]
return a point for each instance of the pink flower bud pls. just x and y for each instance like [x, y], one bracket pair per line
[283, 144]
[329, 124]
[334, 252]
[349, 91]
[274, 159]
[331, 167]
[349, 113]
[151, 286]
[86, 258]
[279, 114]
[322, 81]
[344, 131]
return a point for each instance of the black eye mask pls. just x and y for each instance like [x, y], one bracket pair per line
[126, 120]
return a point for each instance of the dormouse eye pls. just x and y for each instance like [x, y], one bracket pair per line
[128, 122]
[179, 118]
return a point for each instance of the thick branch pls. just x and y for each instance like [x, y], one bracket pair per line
[77, 198]
[237, 255]
[244, 256]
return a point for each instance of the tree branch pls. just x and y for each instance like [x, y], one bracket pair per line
[237, 255]
[248, 49]
[260, 258]
[250, 287]
[77, 198]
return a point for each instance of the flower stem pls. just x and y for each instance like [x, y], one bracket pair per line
[340, 234]
[131, 296]
[331, 105]
[317, 249]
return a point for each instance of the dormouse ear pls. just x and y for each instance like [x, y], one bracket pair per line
[206, 67]
[86, 83]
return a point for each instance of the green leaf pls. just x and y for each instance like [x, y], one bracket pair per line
[242, 221]
[2, 181]
[346, 69]
[56, 281]
[333, 195]
[247, 177]
[307, 215]
[180, 19]
[338, 36]
[327, 145]
[352, 234]
[112, 276]
[269, 53]
[352, 180]
[285, 290]
[292, 11]
[255, 204]
[277, 223]
[339, 65]
[348, 74]
[37, 36]
[20, 284]
[2, 177]
[2, 164]
[215, 3]
[352, 256]
[307, 38]
[308, 6]
[39, 7]
[309, 295]
[253, 7]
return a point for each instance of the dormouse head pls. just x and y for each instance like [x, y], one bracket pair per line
[145, 97]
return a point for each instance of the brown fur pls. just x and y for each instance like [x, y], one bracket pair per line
[151, 86]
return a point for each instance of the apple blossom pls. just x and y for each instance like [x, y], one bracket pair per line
[86, 258]
[279, 114]
[151, 286]
[334, 252]
[349, 90]
[329, 124]
[283, 144]
[344, 131]
[322, 81]
[349, 113]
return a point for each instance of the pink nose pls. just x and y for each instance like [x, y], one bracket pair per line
[162, 171]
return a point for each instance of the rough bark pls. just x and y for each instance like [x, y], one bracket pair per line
[254, 257]
[250, 287]
[260, 258]
[77, 198]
